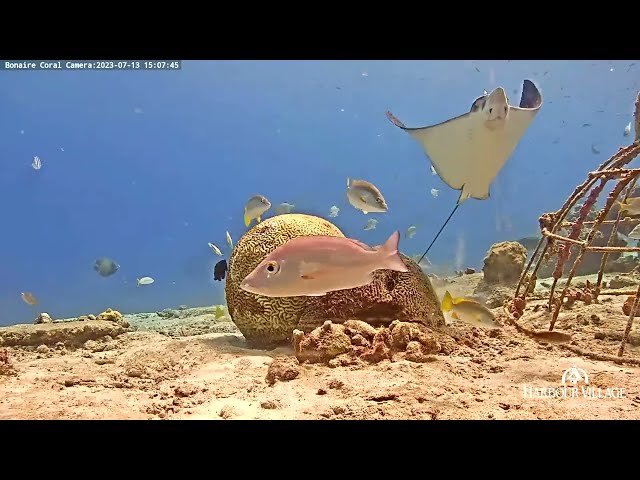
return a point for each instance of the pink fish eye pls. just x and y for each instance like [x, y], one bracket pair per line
[273, 267]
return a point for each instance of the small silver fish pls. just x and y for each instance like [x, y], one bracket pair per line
[229, 241]
[469, 311]
[371, 224]
[284, 208]
[215, 249]
[334, 211]
[434, 192]
[255, 207]
[433, 171]
[627, 130]
[411, 231]
[36, 163]
[145, 281]
[316, 265]
[366, 197]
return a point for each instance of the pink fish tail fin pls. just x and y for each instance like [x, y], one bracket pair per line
[391, 259]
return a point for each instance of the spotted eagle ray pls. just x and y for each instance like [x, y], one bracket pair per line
[467, 152]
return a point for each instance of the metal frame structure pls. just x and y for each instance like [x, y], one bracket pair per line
[554, 243]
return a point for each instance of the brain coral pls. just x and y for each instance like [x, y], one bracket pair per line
[267, 321]
[264, 320]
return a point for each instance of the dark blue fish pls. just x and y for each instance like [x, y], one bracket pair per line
[220, 270]
[105, 267]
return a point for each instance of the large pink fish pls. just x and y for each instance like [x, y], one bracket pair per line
[316, 265]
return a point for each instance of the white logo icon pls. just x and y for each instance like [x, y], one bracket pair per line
[575, 375]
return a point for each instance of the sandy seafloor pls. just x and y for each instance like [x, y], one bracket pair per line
[183, 364]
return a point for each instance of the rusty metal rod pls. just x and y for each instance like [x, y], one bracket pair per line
[627, 330]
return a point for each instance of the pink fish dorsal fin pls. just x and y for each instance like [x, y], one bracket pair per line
[361, 244]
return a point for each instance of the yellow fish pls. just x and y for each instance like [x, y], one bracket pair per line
[631, 206]
[365, 196]
[220, 311]
[469, 311]
[255, 207]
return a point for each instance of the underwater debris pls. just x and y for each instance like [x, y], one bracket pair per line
[113, 316]
[70, 334]
[504, 262]
[6, 367]
[628, 304]
[283, 369]
[43, 318]
[556, 241]
[357, 342]
[636, 118]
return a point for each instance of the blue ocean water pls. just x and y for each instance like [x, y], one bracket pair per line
[147, 167]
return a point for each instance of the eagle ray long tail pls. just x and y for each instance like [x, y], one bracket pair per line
[439, 232]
